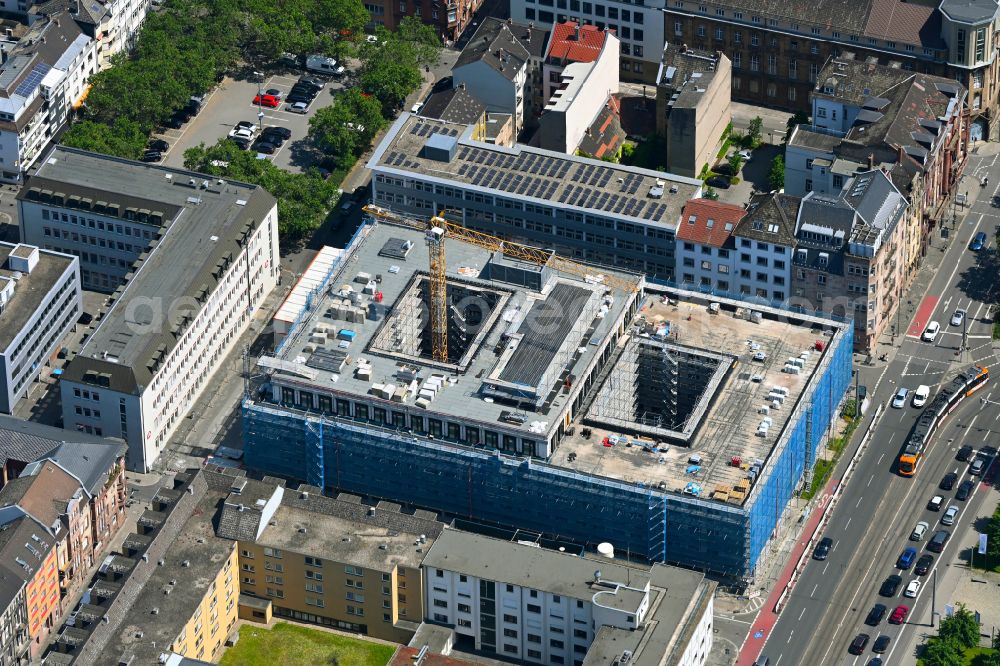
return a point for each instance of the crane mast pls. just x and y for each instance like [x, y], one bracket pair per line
[438, 292]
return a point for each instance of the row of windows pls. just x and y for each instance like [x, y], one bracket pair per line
[796, 27]
[724, 286]
[100, 225]
[437, 428]
[596, 9]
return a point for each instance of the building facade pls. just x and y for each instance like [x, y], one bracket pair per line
[580, 74]
[32, 572]
[596, 211]
[764, 243]
[211, 623]
[692, 107]
[848, 256]
[43, 77]
[540, 606]
[135, 381]
[706, 257]
[915, 126]
[14, 641]
[330, 562]
[501, 66]
[40, 299]
[639, 27]
[449, 20]
[778, 51]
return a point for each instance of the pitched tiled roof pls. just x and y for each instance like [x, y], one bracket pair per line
[90, 462]
[906, 22]
[708, 222]
[453, 106]
[770, 218]
[845, 15]
[496, 45]
[605, 135]
[571, 42]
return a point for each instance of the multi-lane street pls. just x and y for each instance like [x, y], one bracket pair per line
[871, 524]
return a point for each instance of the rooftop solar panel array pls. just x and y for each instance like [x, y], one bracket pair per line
[542, 176]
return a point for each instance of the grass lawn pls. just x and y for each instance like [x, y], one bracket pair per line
[972, 655]
[294, 645]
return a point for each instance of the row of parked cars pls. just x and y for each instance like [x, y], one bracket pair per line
[247, 135]
[911, 559]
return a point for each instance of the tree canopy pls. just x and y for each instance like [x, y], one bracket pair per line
[961, 628]
[346, 128]
[303, 199]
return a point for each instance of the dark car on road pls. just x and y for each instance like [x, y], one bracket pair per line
[283, 132]
[822, 549]
[948, 482]
[881, 644]
[160, 145]
[721, 182]
[938, 541]
[859, 644]
[264, 147]
[152, 156]
[964, 453]
[875, 615]
[965, 490]
[923, 565]
[890, 586]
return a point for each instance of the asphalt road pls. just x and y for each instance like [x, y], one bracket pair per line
[871, 523]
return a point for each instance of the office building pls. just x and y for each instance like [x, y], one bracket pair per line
[639, 27]
[584, 208]
[580, 74]
[587, 389]
[40, 300]
[778, 50]
[866, 116]
[191, 258]
[326, 561]
[529, 603]
[849, 255]
[41, 80]
[692, 107]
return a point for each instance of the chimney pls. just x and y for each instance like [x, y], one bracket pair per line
[510, 21]
[902, 154]
[684, 48]
[871, 161]
[577, 32]
[461, 86]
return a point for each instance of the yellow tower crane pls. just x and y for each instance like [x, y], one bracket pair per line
[438, 291]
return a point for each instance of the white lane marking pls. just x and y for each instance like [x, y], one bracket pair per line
[847, 523]
[790, 636]
[870, 482]
[859, 502]
[880, 459]
[815, 587]
[802, 613]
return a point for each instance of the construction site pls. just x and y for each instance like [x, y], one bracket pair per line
[449, 370]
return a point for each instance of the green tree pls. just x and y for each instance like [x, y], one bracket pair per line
[735, 162]
[755, 131]
[799, 118]
[123, 138]
[391, 76]
[421, 38]
[961, 628]
[710, 194]
[303, 199]
[996, 641]
[993, 538]
[942, 653]
[347, 127]
[989, 659]
[776, 176]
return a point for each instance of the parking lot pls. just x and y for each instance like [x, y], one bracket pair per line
[232, 101]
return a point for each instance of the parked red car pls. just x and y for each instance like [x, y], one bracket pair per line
[270, 101]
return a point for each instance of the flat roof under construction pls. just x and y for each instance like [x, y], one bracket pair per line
[363, 336]
[729, 427]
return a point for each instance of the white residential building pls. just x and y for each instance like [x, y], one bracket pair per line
[40, 301]
[705, 255]
[188, 297]
[45, 75]
[528, 603]
[638, 26]
[763, 245]
[579, 74]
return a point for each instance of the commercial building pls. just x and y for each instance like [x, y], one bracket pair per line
[332, 562]
[778, 49]
[14, 641]
[597, 211]
[191, 257]
[580, 74]
[866, 116]
[692, 106]
[554, 386]
[529, 603]
[43, 77]
[40, 300]
[501, 66]
[849, 254]
[639, 27]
